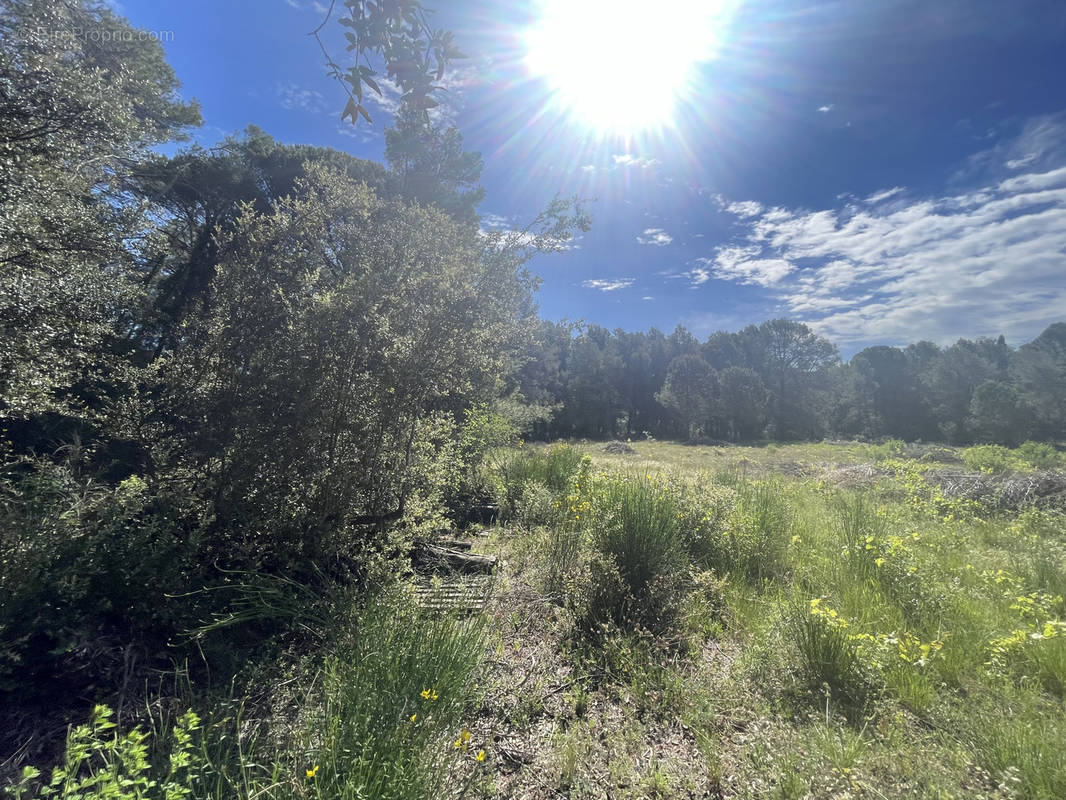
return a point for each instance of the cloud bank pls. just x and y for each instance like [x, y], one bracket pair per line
[984, 261]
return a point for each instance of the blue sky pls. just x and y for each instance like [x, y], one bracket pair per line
[885, 170]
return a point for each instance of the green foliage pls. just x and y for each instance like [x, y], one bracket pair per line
[638, 568]
[1039, 455]
[756, 533]
[780, 380]
[827, 655]
[75, 112]
[382, 719]
[102, 762]
[431, 167]
[892, 448]
[689, 391]
[393, 696]
[536, 506]
[415, 55]
[325, 300]
[84, 565]
[552, 467]
[1023, 752]
[990, 458]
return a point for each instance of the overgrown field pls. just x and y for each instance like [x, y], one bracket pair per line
[830, 620]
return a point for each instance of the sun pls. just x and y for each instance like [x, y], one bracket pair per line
[618, 65]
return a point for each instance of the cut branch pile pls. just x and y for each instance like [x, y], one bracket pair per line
[1045, 489]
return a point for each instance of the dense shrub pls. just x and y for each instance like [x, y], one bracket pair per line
[990, 458]
[638, 568]
[381, 719]
[755, 535]
[552, 467]
[85, 572]
[1039, 455]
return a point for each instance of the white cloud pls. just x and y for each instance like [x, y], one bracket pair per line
[608, 284]
[630, 160]
[389, 99]
[361, 133]
[878, 197]
[647, 297]
[826, 108]
[296, 98]
[1038, 147]
[740, 264]
[655, 236]
[985, 261]
[744, 208]
[495, 221]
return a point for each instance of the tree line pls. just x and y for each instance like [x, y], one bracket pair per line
[780, 380]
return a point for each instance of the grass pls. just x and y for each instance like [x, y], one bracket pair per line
[380, 717]
[850, 636]
[680, 622]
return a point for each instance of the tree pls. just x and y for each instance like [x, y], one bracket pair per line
[741, 403]
[340, 327]
[431, 166]
[951, 379]
[997, 415]
[75, 113]
[196, 197]
[792, 360]
[1038, 369]
[894, 392]
[690, 393]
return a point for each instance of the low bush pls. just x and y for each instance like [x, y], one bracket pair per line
[552, 467]
[639, 564]
[380, 719]
[754, 540]
[828, 657]
[85, 573]
[1039, 455]
[992, 459]
[536, 506]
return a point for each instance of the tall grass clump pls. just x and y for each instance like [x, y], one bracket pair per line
[1023, 751]
[380, 718]
[827, 655]
[394, 693]
[552, 467]
[755, 538]
[638, 565]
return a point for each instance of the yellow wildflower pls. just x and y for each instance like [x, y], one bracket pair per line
[414, 717]
[480, 755]
[313, 771]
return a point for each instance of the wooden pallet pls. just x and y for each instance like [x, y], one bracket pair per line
[468, 593]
